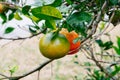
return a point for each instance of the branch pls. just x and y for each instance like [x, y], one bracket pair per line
[95, 23]
[93, 58]
[3, 75]
[111, 18]
[94, 27]
[24, 37]
[10, 5]
[28, 73]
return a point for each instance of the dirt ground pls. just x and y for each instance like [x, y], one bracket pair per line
[25, 54]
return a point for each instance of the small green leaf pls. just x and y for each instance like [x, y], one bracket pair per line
[76, 56]
[33, 29]
[100, 43]
[116, 71]
[118, 42]
[88, 69]
[13, 70]
[26, 9]
[108, 45]
[9, 30]
[4, 17]
[17, 16]
[35, 19]
[117, 50]
[76, 62]
[114, 2]
[56, 3]
[50, 24]
[97, 74]
[87, 63]
[11, 16]
[46, 12]
[69, 1]
[101, 25]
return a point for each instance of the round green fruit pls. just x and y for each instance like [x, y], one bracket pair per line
[54, 45]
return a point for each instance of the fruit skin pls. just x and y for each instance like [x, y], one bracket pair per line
[2, 8]
[54, 46]
[74, 47]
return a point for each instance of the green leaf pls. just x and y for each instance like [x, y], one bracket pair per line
[76, 56]
[11, 16]
[116, 71]
[33, 29]
[13, 69]
[50, 24]
[117, 50]
[9, 30]
[76, 62]
[46, 12]
[118, 42]
[26, 9]
[108, 45]
[4, 17]
[56, 3]
[35, 19]
[97, 74]
[114, 2]
[79, 17]
[101, 25]
[17, 16]
[87, 64]
[69, 1]
[100, 43]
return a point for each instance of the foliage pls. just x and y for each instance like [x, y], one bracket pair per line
[81, 16]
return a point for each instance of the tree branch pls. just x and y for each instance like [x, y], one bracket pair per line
[3, 75]
[95, 22]
[28, 73]
[94, 27]
[24, 37]
[10, 5]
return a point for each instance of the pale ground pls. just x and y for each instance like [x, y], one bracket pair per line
[26, 55]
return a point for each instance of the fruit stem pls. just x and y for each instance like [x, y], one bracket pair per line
[55, 33]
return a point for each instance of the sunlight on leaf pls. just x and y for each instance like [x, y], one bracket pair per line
[46, 12]
[17, 16]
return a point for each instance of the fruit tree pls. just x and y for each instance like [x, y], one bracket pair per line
[68, 27]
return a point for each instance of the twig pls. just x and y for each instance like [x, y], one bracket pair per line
[93, 58]
[26, 74]
[100, 66]
[38, 75]
[112, 63]
[10, 5]
[95, 23]
[24, 37]
[111, 18]
[109, 55]
[3, 75]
